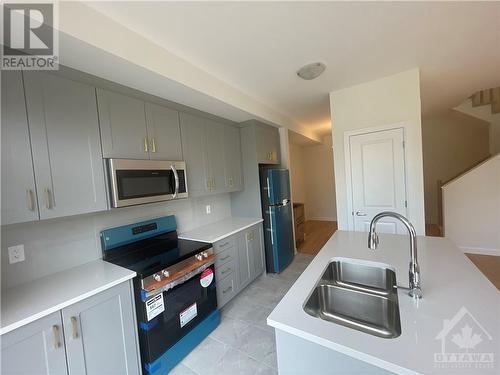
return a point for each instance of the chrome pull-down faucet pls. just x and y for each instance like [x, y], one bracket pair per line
[414, 273]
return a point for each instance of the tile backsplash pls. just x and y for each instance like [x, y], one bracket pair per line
[58, 244]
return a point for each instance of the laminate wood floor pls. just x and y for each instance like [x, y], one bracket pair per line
[317, 234]
[489, 265]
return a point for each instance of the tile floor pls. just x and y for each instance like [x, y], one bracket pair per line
[243, 343]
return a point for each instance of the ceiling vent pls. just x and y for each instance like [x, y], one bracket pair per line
[311, 71]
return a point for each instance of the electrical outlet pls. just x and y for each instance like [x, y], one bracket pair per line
[208, 208]
[16, 254]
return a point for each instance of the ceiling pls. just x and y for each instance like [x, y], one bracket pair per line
[257, 47]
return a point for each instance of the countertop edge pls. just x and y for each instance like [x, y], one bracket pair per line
[64, 304]
[342, 349]
[221, 237]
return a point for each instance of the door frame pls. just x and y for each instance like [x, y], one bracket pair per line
[347, 158]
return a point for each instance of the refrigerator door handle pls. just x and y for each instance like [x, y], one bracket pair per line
[271, 223]
[268, 193]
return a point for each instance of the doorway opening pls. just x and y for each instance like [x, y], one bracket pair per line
[313, 192]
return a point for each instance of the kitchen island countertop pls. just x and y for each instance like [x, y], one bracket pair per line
[452, 287]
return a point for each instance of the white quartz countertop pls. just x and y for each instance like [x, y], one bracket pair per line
[28, 302]
[450, 283]
[219, 230]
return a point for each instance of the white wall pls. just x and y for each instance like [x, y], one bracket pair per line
[313, 181]
[55, 245]
[472, 209]
[390, 100]
[453, 142]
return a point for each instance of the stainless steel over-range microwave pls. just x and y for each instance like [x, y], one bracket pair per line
[133, 182]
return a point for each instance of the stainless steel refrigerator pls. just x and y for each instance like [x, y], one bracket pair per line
[277, 214]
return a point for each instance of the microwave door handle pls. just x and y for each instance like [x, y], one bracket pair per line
[176, 176]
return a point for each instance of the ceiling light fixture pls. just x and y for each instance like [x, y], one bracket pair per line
[311, 71]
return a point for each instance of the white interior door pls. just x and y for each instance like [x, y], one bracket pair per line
[378, 180]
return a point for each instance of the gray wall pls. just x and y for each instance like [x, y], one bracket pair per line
[55, 245]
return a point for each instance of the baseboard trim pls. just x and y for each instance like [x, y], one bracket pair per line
[322, 218]
[480, 250]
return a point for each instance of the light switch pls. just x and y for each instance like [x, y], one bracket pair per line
[16, 253]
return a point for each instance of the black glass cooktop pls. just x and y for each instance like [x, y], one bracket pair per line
[155, 253]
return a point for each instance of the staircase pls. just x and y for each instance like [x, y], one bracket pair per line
[471, 208]
[487, 97]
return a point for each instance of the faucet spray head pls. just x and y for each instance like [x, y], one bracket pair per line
[373, 240]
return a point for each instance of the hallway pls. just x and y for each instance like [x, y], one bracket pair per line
[317, 233]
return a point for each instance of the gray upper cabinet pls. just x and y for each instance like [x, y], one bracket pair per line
[123, 126]
[37, 348]
[19, 203]
[164, 133]
[66, 147]
[268, 144]
[232, 159]
[194, 151]
[100, 335]
[215, 155]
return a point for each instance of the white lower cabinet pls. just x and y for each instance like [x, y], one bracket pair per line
[94, 336]
[239, 260]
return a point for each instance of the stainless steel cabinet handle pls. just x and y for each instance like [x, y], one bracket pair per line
[153, 145]
[74, 327]
[226, 271]
[226, 257]
[47, 198]
[224, 244]
[227, 290]
[359, 213]
[146, 149]
[29, 200]
[176, 177]
[57, 341]
[213, 183]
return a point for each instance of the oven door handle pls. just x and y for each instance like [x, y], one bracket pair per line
[176, 176]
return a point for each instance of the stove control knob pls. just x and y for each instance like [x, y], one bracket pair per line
[205, 254]
[198, 257]
[157, 277]
[165, 273]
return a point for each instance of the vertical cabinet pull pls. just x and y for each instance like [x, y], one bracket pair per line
[146, 149]
[57, 341]
[29, 200]
[213, 183]
[74, 328]
[47, 198]
[153, 145]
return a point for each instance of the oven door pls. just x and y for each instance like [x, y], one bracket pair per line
[183, 308]
[145, 181]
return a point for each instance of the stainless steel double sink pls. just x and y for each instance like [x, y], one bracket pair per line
[361, 296]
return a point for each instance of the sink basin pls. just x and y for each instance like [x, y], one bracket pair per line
[363, 277]
[358, 296]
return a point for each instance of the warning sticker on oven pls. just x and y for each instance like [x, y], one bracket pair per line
[206, 277]
[154, 306]
[187, 315]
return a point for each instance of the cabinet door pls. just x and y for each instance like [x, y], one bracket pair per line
[164, 133]
[66, 147]
[244, 249]
[36, 348]
[123, 126]
[215, 155]
[194, 151]
[18, 182]
[232, 159]
[268, 144]
[100, 333]
[257, 251]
